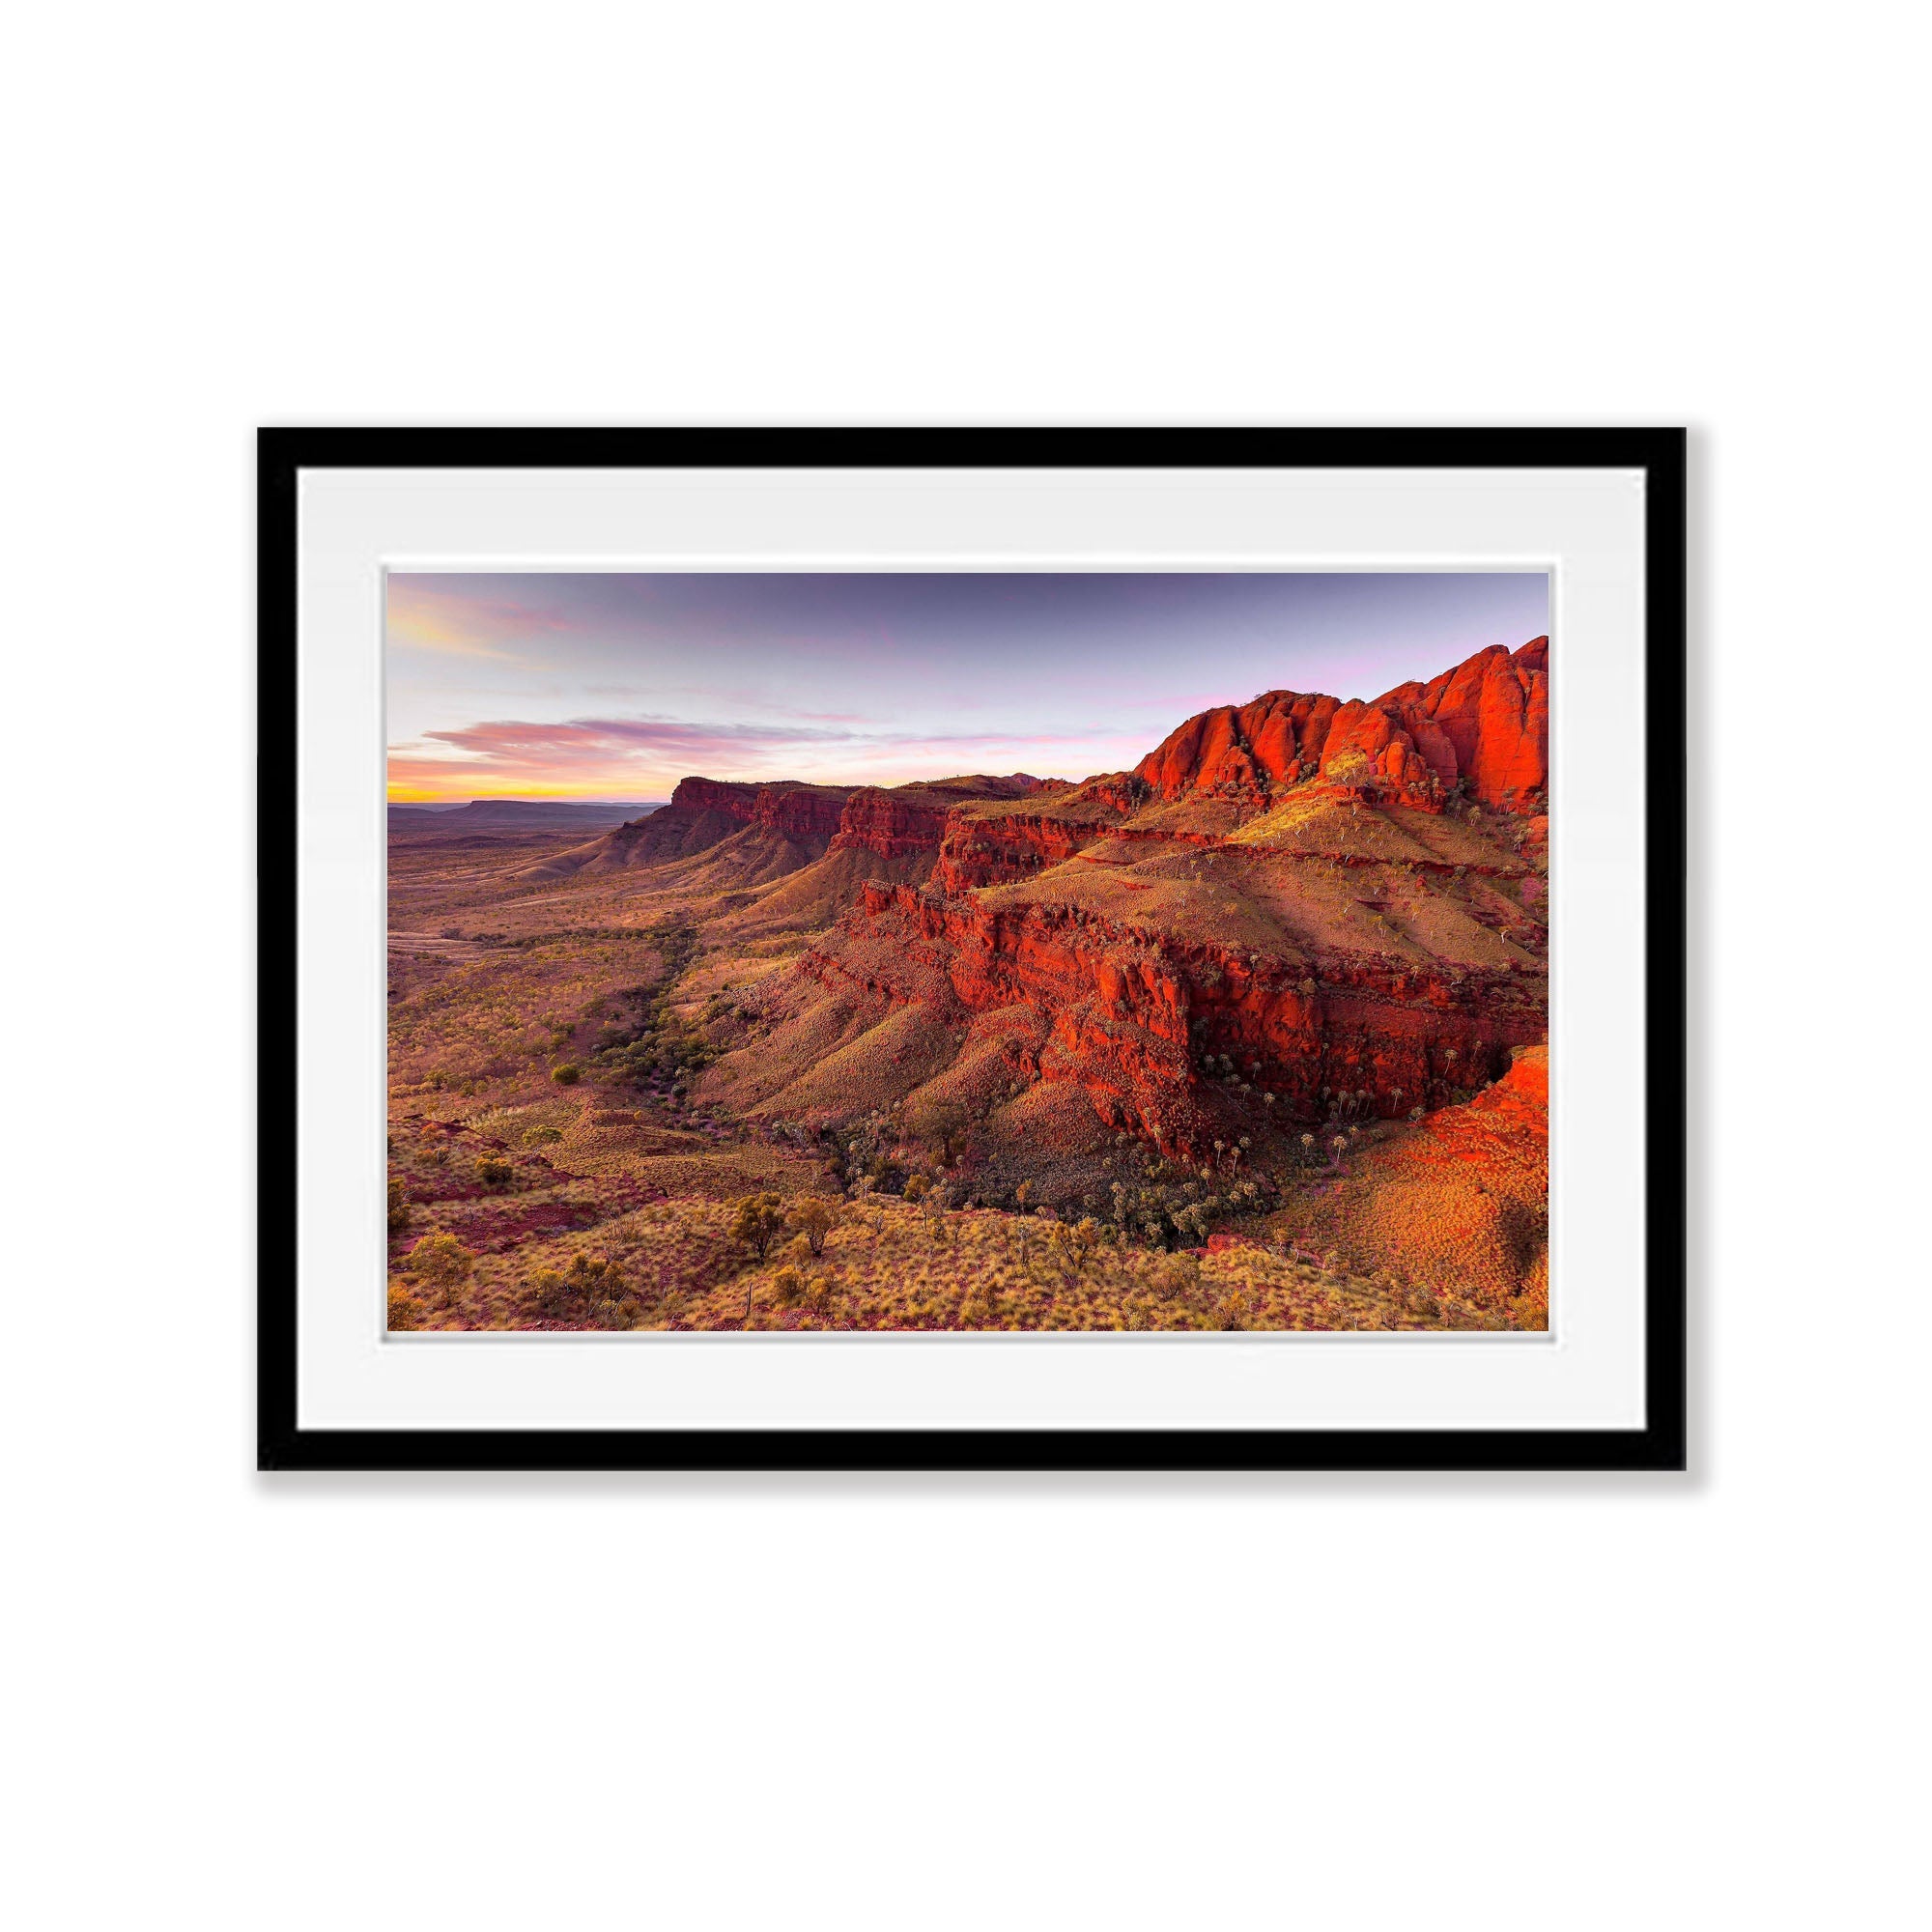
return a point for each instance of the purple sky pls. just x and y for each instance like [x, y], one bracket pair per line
[605, 685]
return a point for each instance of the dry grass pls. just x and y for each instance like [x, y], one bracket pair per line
[889, 1266]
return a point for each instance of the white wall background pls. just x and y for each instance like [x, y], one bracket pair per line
[1522, 1703]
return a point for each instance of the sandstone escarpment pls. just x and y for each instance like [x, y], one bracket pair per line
[809, 815]
[883, 822]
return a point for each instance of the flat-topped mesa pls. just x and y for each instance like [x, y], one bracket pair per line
[800, 818]
[805, 813]
[1483, 725]
[703, 811]
[767, 829]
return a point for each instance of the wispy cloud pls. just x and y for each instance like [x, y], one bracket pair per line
[422, 614]
[639, 737]
[645, 756]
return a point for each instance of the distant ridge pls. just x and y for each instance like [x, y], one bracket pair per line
[751, 833]
[531, 813]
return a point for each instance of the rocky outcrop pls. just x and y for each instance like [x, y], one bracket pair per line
[807, 815]
[1482, 727]
[892, 824]
[978, 849]
[1491, 713]
[1248, 748]
[913, 819]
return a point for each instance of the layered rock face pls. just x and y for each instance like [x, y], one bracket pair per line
[912, 819]
[1484, 726]
[807, 814]
[1250, 747]
[892, 826]
[978, 849]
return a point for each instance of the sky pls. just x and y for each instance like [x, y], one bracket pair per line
[610, 685]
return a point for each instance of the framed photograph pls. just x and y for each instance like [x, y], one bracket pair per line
[1134, 949]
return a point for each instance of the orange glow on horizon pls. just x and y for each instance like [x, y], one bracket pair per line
[417, 794]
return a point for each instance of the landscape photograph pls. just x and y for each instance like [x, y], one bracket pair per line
[1008, 952]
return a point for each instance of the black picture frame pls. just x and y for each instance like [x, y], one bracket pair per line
[1660, 1444]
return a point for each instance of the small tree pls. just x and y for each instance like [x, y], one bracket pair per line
[1179, 1278]
[441, 1261]
[591, 1281]
[549, 1291]
[943, 1123]
[759, 1222]
[815, 1219]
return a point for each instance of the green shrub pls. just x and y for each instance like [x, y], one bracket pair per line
[761, 1221]
[1179, 1275]
[566, 1075]
[815, 1219]
[441, 1261]
[492, 1172]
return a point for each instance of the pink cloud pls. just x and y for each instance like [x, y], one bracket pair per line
[645, 756]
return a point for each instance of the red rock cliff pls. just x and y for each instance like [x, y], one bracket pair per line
[914, 819]
[805, 814]
[1128, 1012]
[894, 824]
[983, 851]
[1486, 721]
[799, 812]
